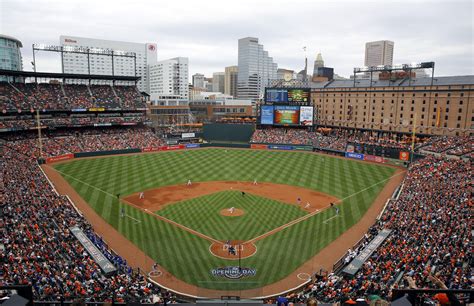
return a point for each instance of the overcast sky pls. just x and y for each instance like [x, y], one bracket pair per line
[206, 31]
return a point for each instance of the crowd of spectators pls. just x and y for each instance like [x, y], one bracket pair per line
[26, 96]
[39, 249]
[69, 121]
[334, 139]
[458, 145]
[430, 236]
[89, 140]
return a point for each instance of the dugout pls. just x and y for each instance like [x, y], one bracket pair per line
[228, 132]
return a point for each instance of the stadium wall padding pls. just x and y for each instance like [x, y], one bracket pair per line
[102, 153]
[226, 145]
[228, 132]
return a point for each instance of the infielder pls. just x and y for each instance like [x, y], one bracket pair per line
[189, 182]
[142, 195]
[255, 181]
[307, 205]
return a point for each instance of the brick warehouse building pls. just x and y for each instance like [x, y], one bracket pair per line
[444, 108]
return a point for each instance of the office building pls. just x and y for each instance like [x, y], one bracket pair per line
[379, 53]
[256, 69]
[169, 79]
[10, 54]
[198, 80]
[218, 79]
[318, 63]
[146, 54]
[230, 80]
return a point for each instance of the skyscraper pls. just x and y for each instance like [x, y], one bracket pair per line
[218, 82]
[256, 69]
[379, 53]
[230, 80]
[198, 80]
[318, 63]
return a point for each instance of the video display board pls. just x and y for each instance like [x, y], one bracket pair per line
[266, 116]
[292, 115]
[306, 115]
[298, 96]
[286, 115]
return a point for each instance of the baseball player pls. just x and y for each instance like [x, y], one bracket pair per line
[189, 182]
[142, 195]
[122, 212]
[307, 205]
[231, 210]
[298, 201]
[255, 181]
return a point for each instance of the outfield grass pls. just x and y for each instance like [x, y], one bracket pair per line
[186, 255]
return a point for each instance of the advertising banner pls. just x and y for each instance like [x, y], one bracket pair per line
[287, 115]
[99, 258]
[172, 148]
[355, 155]
[404, 155]
[151, 149]
[359, 260]
[258, 146]
[306, 115]
[303, 148]
[266, 114]
[377, 159]
[96, 109]
[59, 158]
[280, 147]
[192, 145]
[188, 135]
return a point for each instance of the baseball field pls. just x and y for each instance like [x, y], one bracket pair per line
[276, 226]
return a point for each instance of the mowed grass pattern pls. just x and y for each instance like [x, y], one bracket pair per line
[203, 215]
[186, 255]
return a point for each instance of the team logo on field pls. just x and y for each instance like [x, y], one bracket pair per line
[233, 272]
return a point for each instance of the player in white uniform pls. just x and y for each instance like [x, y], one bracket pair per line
[231, 210]
[142, 195]
[189, 182]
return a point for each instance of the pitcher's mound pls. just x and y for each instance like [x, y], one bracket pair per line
[221, 249]
[227, 212]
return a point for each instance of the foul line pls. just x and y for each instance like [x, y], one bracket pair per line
[136, 220]
[284, 226]
[326, 221]
[145, 210]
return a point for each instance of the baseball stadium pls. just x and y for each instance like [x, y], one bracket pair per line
[101, 203]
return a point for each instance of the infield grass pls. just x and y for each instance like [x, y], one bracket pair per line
[187, 256]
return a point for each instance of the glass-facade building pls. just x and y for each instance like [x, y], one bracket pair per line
[255, 69]
[10, 55]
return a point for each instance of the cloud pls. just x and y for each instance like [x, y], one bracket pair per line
[207, 31]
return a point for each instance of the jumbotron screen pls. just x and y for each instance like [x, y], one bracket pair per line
[286, 115]
[300, 96]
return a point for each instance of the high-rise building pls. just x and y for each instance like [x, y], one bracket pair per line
[285, 74]
[318, 63]
[10, 54]
[230, 80]
[208, 84]
[198, 80]
[169, 78]
[256, 69]
[218, 79]
[146, 55]
[379, 53]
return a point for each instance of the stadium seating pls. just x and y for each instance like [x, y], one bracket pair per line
[15, 96]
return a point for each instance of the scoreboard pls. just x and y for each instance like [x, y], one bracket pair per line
[291, 96]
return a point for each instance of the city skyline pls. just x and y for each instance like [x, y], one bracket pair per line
[422, 30]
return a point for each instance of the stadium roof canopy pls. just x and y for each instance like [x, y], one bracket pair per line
[51, 75]
[437, 81]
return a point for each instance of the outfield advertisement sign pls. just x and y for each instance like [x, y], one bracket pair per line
[165, 148]
[303, 148]
[258, 146]
[280, 147]
[373, 158]
[59, 158]
[359, 260]
[233, 272]
[188, 135]
[192, 145]
[306, 115]
[355, 155]
[99, 258]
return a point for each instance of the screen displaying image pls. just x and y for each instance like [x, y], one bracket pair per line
[276, 95]
[287, 115]
[298, 95]
[266, 114]
[306, 115]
